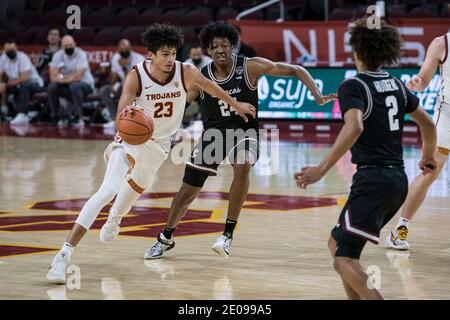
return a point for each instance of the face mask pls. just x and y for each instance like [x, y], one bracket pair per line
[125, 54]
[69, 51]
[11, 54]
[197, 61]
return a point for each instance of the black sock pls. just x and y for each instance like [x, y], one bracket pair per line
[229, 228]
[167, 232]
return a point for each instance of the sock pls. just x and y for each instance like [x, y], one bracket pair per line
[402, 222]
[229, 228]
[167, 232]
[67, 249]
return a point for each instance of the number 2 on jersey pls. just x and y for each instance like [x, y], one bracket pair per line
[225, 108]
[391, 103]
[160, 108]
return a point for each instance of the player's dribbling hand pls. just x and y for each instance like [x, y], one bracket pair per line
[326, 98]
[427, 165]
[307, 176]
[415, 83]
[130, 109]
[243, 109]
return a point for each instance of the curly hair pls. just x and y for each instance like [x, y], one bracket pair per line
[219, 29]
[159, 35]
[375, 47]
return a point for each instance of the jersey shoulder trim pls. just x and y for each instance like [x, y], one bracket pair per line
[169, 79]
[182, 76]
[136, 68]
[368, 111]
[446, 49]
[247, 78]
[400, 83]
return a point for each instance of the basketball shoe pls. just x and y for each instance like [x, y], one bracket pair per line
[397, 239]
[57, 272]
[162, 244]
[222, 246]
[110, 229]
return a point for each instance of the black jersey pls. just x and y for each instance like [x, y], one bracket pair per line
[218, 113]
[384, 100]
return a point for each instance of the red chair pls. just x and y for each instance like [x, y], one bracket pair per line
[108, 36]
[150, 16]
[97, 18]
[198, 18]
[134, 35]
[30, 18]
[85, 36]
[127, 17]
[340, 14]
[175, 17]
[227, 13]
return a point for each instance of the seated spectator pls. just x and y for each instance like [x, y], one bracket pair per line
[47, 53]
[243, 49]
[122, 62]
[23, 79]
[196, 56]
[71, 78]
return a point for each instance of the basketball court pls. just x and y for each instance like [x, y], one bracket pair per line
[279, 249]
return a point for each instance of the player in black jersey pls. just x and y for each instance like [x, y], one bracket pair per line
[373, 105]
[234, 138]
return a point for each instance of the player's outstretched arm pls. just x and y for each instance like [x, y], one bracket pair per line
[352, 129]
[196, 78]
[429, 66]
[129, 92]
[428, 132]
[258, 66]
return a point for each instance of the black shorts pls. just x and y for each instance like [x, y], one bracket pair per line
[215, 146]
[377, 193]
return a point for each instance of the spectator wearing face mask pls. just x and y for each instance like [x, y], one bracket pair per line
[122, 62]
[23, 79]
[71, 78]
[197, 58]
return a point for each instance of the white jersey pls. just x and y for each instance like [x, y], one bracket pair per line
[444, 91]
[163, 102]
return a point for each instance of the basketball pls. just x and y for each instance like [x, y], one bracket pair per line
[135, 127]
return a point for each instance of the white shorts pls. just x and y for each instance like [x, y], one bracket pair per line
[144, 161]
[442, 121]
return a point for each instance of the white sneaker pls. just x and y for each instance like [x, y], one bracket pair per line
[109, 125]
[20, 119]
[110, 230]
[396, 239]
[222, 246]
[161, 245]
[57, 272]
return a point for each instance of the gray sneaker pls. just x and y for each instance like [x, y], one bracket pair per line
[162, 244]
[222, 246]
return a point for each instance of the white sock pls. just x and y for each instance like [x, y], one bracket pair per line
[67, 249]
[402, 222]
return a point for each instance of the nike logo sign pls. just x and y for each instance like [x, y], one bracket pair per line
[148, 87]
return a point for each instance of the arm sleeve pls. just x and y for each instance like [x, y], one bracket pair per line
[83, 63]
[351, 96]
[24, 63]
[115, 67]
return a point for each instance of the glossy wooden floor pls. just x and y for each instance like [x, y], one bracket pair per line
[279, 251]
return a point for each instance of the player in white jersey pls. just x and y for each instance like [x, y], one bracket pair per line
[158, 86]
[437, 56]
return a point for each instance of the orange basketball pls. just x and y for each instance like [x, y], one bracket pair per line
[135, 127]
